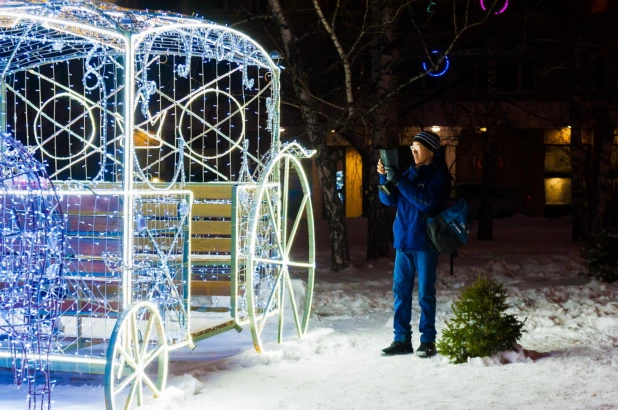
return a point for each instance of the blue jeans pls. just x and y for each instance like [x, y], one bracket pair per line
[423, 262]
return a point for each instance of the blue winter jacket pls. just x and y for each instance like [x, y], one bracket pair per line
[421, 192]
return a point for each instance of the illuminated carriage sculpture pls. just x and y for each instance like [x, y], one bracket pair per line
[185, 215]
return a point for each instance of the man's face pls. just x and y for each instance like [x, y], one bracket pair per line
[422, 155]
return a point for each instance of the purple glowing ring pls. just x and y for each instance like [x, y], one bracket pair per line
[439, 73]
[502, 10]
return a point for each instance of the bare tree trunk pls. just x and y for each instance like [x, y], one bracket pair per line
[578, 182]
[489, 180]
[601, 184]
[384, 133]
[326, 162]
[379, 216]
[335, 212]
[578, 155]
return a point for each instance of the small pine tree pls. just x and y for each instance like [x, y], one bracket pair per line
[601, 256]
[480, 327]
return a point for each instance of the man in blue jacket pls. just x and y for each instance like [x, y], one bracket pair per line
[420, 192]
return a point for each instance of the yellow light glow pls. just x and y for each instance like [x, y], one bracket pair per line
[9, 22]
[155, 180]
[560, 136]
[483, 129]
[557, 191]
[435, 128]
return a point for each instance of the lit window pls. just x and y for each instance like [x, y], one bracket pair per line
[557, 191]
[557, 159]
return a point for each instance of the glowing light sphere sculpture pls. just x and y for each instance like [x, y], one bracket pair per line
[31, 269]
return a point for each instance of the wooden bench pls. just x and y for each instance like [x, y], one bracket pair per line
[95, 235]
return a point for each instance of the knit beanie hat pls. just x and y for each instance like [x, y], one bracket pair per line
[429, 140]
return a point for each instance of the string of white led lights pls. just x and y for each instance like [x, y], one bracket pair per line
[124, 97]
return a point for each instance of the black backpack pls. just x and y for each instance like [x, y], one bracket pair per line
[450, 229]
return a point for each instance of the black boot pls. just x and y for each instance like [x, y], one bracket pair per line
[426, 349]
[398, 348]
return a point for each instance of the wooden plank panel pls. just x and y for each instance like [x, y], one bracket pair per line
[88, 246]
[205, 276]
[94, 223]
[203, 288]
[89, 225]
[211, 210]
[69, 307]
[106, 204]
[92, 246]
[211, 227]
[90, 267]
[113, 223]
[151, 209]
[212, 245]
[70, 185]
[90, 204]
[207, 309]
[210, 190]
[206, 190]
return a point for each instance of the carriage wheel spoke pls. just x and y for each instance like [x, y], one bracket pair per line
[301, 264]
[274, 220]
[127, 357]
[152, 386]
[153, 355]
[288, 282]
[295, 226]
[122, 356]
[135, 336]
[147, 335]
[140, 391]
[285, 198]
[289, 263]
[121, 386]
[131, 395]
[271, 299]
[281, 304]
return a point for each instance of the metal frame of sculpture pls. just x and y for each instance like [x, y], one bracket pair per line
[134, 114]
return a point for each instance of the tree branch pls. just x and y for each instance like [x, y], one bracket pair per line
[251, 18]
[344, 57]
[332, 23]
[362, 31]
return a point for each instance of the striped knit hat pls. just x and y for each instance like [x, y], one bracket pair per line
[429, 140]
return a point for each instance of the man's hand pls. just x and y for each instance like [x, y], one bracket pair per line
[381, 169]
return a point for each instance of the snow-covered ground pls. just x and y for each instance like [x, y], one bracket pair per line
[572, 322]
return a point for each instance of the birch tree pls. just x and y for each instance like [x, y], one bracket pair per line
[363, 114]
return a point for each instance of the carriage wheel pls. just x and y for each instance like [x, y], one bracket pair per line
[278, 255]
[137, 350]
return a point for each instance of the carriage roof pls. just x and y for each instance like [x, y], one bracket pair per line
[36, 32]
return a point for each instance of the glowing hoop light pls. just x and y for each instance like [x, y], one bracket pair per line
[65, 127]
[212, 127]
[438, 73]
[502, 10]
